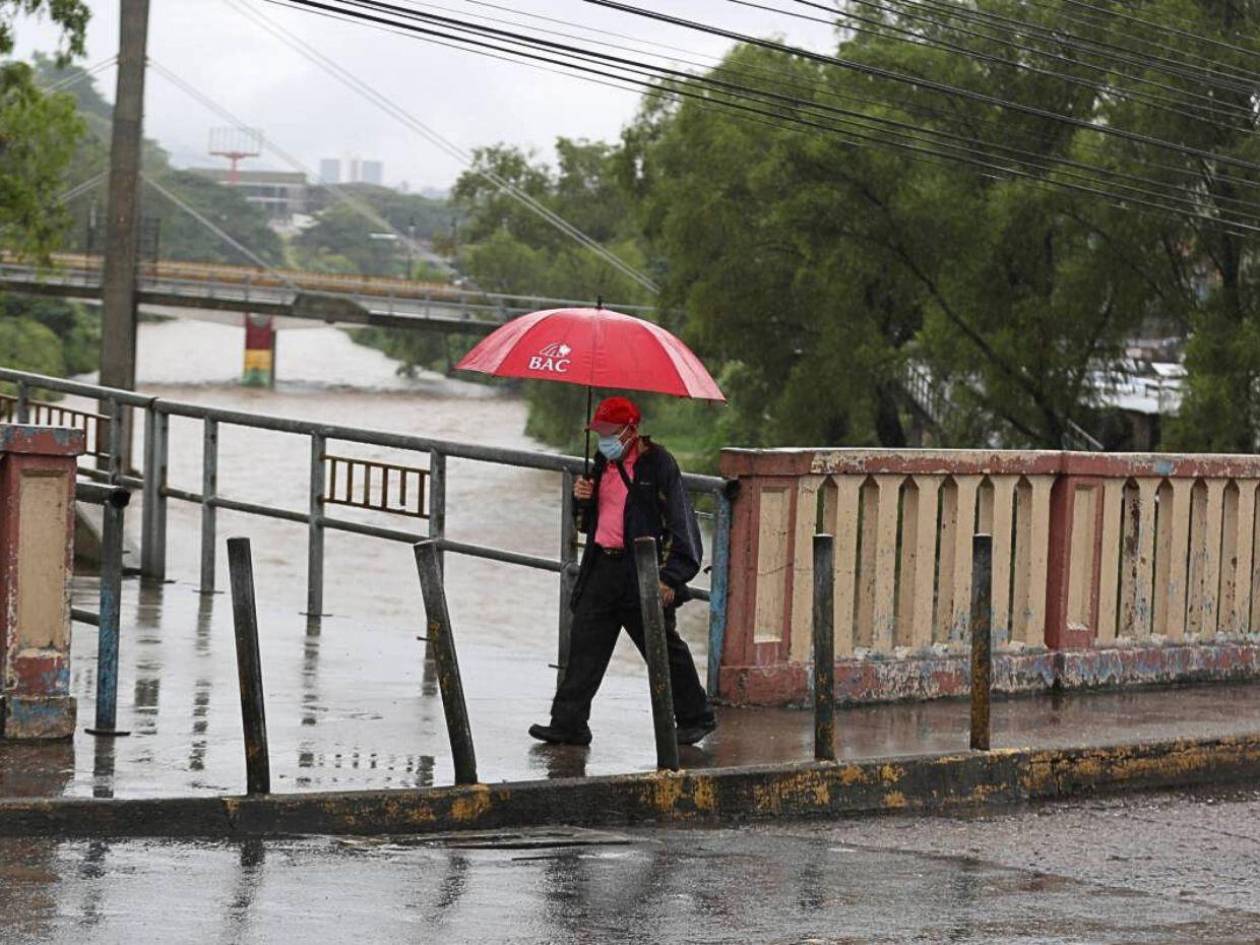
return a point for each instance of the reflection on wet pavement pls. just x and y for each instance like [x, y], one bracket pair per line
[785, 883]
[353, 707]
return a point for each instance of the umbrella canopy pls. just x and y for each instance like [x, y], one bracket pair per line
[594, 347]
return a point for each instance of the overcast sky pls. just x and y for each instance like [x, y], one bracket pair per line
[470, 99]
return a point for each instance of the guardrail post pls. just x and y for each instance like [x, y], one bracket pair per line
[153, 514]
[437, 503]
[981, 640]
[23, 409]
[655, 649]
[442, 644]
[110, 606]
[824, 649]
[249, 667]
[116, 419]
[719, 582]
[568, 572]
[209, 492]
[315, 531]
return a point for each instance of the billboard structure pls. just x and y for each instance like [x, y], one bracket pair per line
[235, 143]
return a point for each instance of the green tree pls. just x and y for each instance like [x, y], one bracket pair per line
[38, 131]
[183, 236]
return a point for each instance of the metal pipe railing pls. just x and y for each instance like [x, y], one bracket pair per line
[157, 490]
[113, 501]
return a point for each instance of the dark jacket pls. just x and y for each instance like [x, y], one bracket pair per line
[658, 506]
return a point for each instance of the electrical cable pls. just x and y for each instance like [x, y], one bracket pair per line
[1202, 101]
[74, 79]
[674, 74]
[1183, 210]
[924, 83]
[363, 209]
[949, 10]
[399, 114]
[219, 231]
[778, 77]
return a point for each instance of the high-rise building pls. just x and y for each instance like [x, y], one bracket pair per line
[330, 171]
[372, 172]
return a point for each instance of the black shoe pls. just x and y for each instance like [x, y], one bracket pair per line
[555, 735]
[693, 732]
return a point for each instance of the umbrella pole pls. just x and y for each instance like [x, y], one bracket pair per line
[586, 455]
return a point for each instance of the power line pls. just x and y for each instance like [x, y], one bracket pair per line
[850, 117]
[1202, 102]
[78, 76]
[814, 88]
[1096, 11]
[1113, 52]
[398, 113]
[1128, 199]
[928, 84]
[83, 187]
[219, 231]
[363, 209]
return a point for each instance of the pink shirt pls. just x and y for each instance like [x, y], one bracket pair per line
[610, 530]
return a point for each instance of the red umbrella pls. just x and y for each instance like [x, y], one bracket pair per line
[595, 347]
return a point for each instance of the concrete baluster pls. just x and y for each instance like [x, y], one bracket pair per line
[965, 518]
[1244, 542]
[805, 525]
[918, 561]
[1109, 566]
[840, 518]
[1206, 586]
[1003, 554]
[1171, 559]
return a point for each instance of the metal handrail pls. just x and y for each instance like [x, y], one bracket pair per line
[530, 459]
[158, 411]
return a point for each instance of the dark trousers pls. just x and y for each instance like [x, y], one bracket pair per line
[609, 602]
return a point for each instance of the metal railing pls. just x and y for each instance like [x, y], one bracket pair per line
[324, 491]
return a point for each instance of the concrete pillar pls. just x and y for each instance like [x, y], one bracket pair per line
[37, 472]
[260, 352]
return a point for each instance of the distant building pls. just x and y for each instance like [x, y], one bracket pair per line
[280, 194]
[358, 171]
[372, 172]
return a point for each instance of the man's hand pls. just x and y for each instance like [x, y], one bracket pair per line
[583, 488]
[667, 595]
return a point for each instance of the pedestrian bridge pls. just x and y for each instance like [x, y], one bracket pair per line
[341, 299]
[1107, 569]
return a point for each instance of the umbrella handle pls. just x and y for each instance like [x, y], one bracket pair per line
[586, 454]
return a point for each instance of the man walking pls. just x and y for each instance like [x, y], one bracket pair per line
[636, 490]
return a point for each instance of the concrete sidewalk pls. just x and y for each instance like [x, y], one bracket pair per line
[351, 707]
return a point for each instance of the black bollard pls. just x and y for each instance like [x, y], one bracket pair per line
[824, 649]
[981, 639]
[249, 667]
[656, 652]
[441, 646]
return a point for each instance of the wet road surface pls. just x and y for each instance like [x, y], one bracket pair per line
[1167, 869]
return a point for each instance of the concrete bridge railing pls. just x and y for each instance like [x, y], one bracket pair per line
[1107, 569]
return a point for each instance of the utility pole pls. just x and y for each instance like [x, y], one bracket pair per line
[122, 217]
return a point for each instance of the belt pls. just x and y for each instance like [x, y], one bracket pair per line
[611, 552]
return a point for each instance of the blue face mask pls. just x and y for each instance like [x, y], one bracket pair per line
[612, 447]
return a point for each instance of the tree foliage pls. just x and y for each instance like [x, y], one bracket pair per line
[824, 273]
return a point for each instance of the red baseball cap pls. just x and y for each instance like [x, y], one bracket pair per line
[613, 413]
